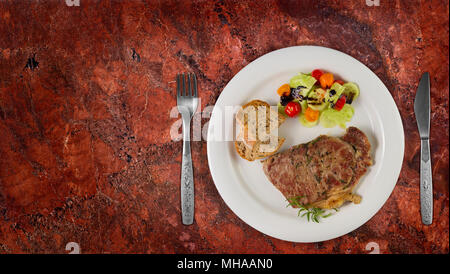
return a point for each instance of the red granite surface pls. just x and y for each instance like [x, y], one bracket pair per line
[86, 154]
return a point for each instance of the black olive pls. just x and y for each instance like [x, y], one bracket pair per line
[350, 98]
[285, 99]
[332, 92]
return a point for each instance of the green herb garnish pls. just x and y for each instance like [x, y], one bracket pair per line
[312, 213]
[294, 201]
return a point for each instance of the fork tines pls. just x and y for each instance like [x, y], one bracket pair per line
[191, 80]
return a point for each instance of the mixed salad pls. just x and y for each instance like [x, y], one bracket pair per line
[317, 97]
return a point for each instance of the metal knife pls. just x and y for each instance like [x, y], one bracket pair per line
[422, 111]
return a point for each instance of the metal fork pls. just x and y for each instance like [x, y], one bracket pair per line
[187, 102]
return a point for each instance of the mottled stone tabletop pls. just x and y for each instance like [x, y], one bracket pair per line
[86, 155]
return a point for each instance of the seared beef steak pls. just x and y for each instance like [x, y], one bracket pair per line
[322, 172]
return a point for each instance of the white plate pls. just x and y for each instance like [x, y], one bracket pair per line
[243, 185]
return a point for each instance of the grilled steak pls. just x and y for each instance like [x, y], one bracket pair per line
[323, 169]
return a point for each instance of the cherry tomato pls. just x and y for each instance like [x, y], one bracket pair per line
[326, 80]
[292, 109]
[316, 74]
[311, 114]
[284, 90]
[340, 103]
[339, 82]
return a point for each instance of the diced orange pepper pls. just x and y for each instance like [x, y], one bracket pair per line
[284, 90]
[311, 115]
[326, 80]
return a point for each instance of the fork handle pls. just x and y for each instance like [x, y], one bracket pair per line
[187, 178]
[426, 183]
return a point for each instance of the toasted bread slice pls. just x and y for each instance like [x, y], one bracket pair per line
[248, 144]
[251, 153]
[243, 119]
[250, 123]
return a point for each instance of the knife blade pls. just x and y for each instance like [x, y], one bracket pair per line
[422, 106]
[422, 112]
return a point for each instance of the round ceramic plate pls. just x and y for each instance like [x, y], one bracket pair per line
[243, 184]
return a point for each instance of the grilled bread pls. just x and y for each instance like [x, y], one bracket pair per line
[249, 144]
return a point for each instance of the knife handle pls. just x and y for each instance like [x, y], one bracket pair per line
[426, 183]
